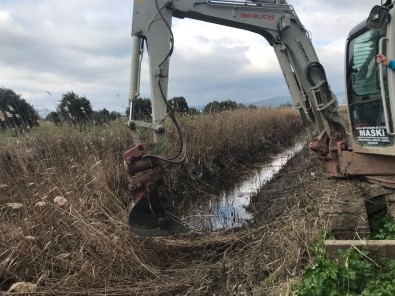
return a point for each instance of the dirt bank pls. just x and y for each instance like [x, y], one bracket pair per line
[291, 212]
[264, 259]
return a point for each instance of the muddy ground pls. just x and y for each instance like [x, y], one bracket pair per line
[292, 211]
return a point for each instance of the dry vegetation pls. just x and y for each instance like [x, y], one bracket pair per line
[219, 145]
[63, 220]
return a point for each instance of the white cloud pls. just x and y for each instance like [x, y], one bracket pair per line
[84, 46]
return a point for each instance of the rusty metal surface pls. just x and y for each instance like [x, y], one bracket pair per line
[141, 172]
[357, 164]
[339, 162]
[328, 149]
[146, 215]
[385, 181]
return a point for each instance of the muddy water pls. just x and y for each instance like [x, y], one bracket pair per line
[227, 209]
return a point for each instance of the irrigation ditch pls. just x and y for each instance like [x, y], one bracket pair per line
[291, 212]
[227, 206]
[266, 255]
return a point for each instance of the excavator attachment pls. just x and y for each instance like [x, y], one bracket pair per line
[146, 215]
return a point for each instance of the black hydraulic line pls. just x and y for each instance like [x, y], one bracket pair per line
[170, 110]
[179, 131]
[170, 31]
[309, 69]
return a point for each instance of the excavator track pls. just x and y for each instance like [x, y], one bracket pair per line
[344, 211]
[348, 208]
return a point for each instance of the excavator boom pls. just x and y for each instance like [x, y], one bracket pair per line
[277, 22]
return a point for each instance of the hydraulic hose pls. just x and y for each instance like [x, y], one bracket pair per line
[170, 110]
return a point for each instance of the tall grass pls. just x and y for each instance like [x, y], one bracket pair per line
[63, 198]
[220, 145]
[240, 133]
[63, 211]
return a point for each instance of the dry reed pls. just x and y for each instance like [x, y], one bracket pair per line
[63, 220]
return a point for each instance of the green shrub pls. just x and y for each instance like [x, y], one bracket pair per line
[382, 226]
[354, 274]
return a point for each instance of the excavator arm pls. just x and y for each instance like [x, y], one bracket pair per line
[274, 20]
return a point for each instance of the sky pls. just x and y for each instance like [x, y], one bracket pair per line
[50, 47]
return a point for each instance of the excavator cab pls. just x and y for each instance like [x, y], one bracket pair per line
[371, 86]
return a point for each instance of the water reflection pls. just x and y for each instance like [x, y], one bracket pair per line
[228, 208]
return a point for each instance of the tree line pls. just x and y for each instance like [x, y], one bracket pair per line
[16, 113]
[142, 107]
[78, 110]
